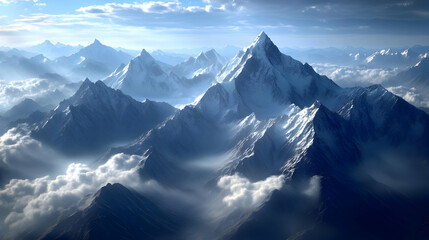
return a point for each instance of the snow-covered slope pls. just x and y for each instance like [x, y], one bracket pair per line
[345, 157]
[273, 113]
[209, 62]
[96, 116]
[412, 84]
[143, 77]
[95, 61]
[262, 80]
[416, 76]
[390, 58]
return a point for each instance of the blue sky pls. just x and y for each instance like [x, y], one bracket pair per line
[176, 24]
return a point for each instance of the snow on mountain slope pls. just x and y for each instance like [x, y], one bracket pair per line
[96, 116]
[263, 80]
[115, 212]
[209, 62]
[337, 150]
[416, 76]
[392, 58]
[412, 84]
[294, 116]
[95, 61]
[143, 77]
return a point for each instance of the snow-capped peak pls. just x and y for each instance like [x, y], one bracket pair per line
[144, 54]
[262, 38]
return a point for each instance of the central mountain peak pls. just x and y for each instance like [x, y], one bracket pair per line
[262, 38]
[144, 54]
[265, 81]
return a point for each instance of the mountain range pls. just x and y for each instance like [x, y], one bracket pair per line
[53, 51]
[96, 116]
[95, 61]
[270, 150]
[275, 115]
[145, 77]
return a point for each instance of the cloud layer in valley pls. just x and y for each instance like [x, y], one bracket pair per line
[24, 202]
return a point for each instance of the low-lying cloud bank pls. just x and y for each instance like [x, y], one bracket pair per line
[411, 95]
[25, 202]
[241, 193]
[42, 90]
[352, 76]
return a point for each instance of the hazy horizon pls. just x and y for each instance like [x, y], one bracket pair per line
[215, 23]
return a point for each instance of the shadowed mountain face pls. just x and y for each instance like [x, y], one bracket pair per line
[115, 212]
[97, 116]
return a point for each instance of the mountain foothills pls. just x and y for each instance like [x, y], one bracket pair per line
[268, 149]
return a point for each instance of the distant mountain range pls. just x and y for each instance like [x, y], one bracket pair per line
[145, 77]
[53, 51]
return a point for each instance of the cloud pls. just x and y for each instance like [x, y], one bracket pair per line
[411, 95]
[25, 202]
[157, 14]
[314, 187]
[15, 1]
[351, 76]
[19, 151]
[45, 91]
[241, 193]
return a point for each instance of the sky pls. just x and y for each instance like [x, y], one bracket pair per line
[175, 24]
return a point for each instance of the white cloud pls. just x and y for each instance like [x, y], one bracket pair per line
[42, 90]
[351, 76]
[14, 1]
[18, 149]
[314, 187]
[411, 95]
[241, 193]
[26, 202]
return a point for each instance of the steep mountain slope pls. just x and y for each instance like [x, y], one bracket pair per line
[17, 67]
[96, 116]
[209, 62]
[416, 76]
[95, 61]
[412, 84]
[337, 149]
[115, 212]
[143, 77]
